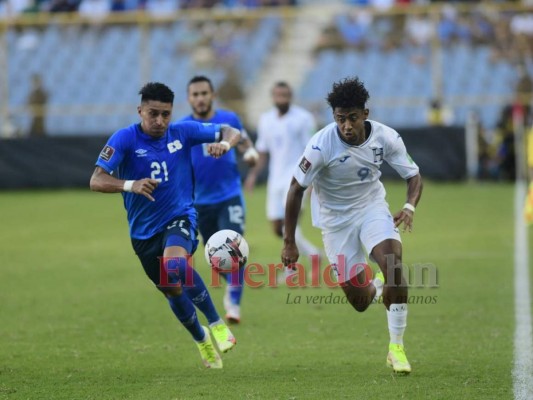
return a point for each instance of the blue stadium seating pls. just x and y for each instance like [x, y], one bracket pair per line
[103, 66]
[401, 89]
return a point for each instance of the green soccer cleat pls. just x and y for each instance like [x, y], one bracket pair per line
[223, 336]
[397, 359]
[209, 354]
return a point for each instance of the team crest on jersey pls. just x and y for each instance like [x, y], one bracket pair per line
[378, 154]
[305, 165]
[174, 146]
[107, 152]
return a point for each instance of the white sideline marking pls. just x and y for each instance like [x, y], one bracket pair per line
[523, 348]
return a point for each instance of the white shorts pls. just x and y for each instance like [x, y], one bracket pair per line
[369, 227]
[275, 204]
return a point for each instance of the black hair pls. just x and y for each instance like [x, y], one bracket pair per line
[201, 78]
[348, 93]
[284, 85]
[156, 91]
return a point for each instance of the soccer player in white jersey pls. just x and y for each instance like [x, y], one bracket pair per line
[342, 162]
[282, 134]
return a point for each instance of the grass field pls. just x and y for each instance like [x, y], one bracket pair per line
[79, 320]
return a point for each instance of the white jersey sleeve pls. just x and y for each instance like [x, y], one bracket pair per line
[397, 157]
[310, 164]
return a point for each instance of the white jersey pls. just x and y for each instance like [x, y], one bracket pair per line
[284, 138]
[345, 177]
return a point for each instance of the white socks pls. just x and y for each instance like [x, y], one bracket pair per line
[397, 319]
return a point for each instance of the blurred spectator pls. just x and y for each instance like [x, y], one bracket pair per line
[518, 110]
[64, 5]
[8, 129]
[94, 9]
[36, 102]
[487, 165]
[482, 27]
[161, 8]
[231, 93]
[330, 39]
[524, 85]
[419, 30]
[119, 5]
[438, 114]
[355, 28]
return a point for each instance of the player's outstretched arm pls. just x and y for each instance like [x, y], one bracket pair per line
[290, 254]
[406, 214]
[102, 181]
[229, 138]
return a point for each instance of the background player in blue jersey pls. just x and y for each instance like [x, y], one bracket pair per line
[218, 192]
[150, 164]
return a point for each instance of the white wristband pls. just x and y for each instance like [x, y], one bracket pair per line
[250, 154]
[409, 207]
[225, 144]
[128, 186]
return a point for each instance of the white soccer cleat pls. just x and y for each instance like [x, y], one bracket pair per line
[233, 311]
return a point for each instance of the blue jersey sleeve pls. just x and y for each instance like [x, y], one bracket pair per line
[197, 133]
[113, 152]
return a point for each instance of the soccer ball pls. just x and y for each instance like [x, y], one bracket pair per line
[226, 251]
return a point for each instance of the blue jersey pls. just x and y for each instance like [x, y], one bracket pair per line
[132, 155]
[216, 180]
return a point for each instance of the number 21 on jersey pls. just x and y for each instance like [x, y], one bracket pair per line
[158, 170]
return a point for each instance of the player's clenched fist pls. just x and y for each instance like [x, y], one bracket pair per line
[145, 187]
[289, 254]
[218, 149]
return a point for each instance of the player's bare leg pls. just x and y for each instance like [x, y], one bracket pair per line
[388, 255]
[359, 291]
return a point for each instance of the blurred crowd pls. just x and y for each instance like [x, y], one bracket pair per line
[103, 7]
[509, 34]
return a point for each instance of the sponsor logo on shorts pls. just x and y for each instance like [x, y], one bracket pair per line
[305, 165]
[107, 152]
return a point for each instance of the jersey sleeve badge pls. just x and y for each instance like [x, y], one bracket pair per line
[305, 164]
[107, 152]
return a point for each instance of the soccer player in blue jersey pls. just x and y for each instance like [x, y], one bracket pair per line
[150, 164]
[218, 194]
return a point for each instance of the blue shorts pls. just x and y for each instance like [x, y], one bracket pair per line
[228, 214]
[179, 232]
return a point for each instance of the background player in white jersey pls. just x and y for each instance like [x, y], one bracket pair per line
[282, 134]
[343, 161]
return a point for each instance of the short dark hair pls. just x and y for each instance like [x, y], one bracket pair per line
[156, 91]
[282, 84]
[348, 93]
[201, 78]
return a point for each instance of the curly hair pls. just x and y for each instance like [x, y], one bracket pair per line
[157, 92]
[348, 93]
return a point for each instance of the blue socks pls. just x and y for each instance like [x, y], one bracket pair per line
[194, 287]
[186, 314]
[235, 285]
